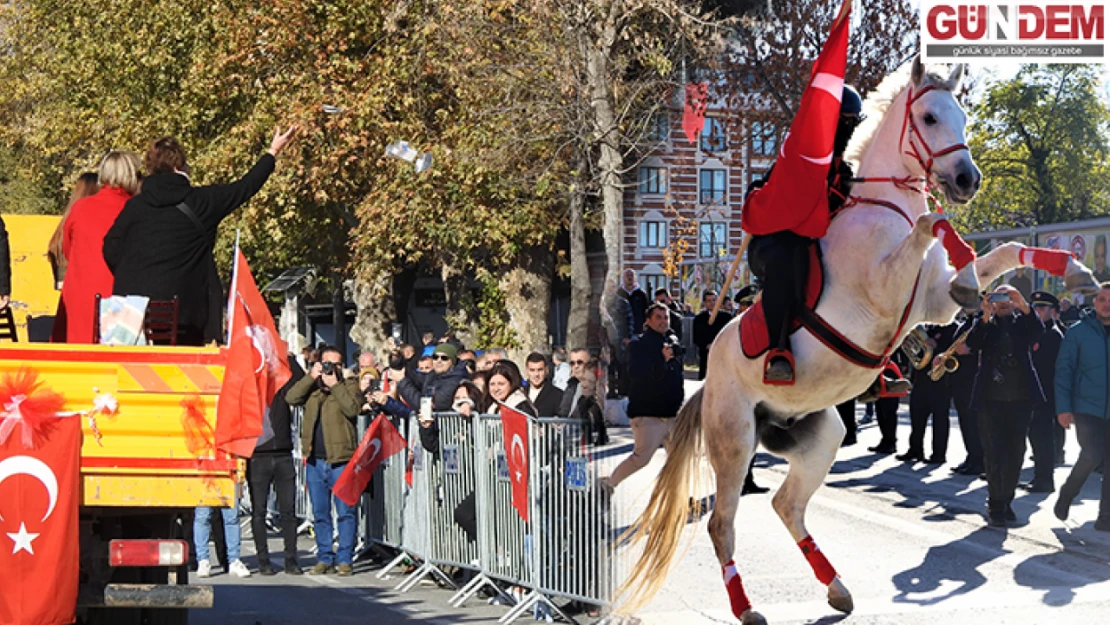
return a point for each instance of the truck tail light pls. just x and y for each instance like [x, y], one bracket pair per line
[148, 552]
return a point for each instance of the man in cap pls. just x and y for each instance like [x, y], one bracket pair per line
[439, 384]
[745, 298]
[1042, 431]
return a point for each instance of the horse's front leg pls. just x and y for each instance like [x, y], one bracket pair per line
[905, 260]
[1077, 277]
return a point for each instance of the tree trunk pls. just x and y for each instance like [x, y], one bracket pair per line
[339, 315]
[527, 290]
[462, 310]
[376, 311]
[578, 320]
[607, 139]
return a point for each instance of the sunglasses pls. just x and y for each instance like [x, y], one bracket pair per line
[577, 362]
[441, 357]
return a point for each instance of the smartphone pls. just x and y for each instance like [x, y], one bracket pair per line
[999, 297]
[425, 409]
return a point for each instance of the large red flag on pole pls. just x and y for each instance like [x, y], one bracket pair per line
[380, 441]
[514, 424]
[256, 365]
[39, 530]
[795, 197]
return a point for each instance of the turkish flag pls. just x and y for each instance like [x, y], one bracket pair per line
[796, 197]
[515, 426]
[256, 366]
[693, 114]
[381, 441]
[39, 540]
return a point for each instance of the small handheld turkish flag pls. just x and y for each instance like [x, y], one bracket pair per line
[381, 441]
[39, 539]
[515, 426]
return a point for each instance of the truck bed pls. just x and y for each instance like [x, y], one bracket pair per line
[141, 458]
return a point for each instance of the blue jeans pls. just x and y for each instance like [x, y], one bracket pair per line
[321, 477]
[202, 530]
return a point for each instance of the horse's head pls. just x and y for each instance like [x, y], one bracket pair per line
[933, 134]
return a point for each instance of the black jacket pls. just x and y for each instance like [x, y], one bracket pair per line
[566, 403]
[1045, 351]
[942, 336]
[620, 311]
[675, 314]
[705, 333]
[548, 401]
[656, 388]
[637, 305]
[155, 250]
[5, 261]
[441, 388]
[987, 337]
[280, 417]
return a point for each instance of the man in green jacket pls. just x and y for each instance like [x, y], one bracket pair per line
[328, 439]
[1083, 398]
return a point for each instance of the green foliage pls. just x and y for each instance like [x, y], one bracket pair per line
[1040, 141]
[494, 325]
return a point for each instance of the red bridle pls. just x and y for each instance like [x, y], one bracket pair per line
[908, 183]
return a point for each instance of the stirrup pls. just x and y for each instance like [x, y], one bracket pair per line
[901, 386]
[770, 358]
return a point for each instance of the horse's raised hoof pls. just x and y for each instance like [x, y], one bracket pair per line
[839, 597]
[964, 288]
[751, 617]
[1079, 279]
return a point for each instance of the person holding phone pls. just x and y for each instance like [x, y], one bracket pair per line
[1005, 393]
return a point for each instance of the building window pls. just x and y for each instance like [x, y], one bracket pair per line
[712, 186]
[660, 129]
[652, 282]
[763, 139]
[713, 135]
[653, 180]
[712, 239]
[653, 234]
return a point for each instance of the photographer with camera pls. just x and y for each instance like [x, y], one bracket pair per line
[655, 391]
[1006, 391]
[329, 439]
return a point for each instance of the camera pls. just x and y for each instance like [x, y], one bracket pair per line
[672, 341]
[330, 368]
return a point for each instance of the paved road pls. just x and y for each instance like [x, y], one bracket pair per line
[909, 541]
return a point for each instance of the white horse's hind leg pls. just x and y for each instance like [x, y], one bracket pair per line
[730, 440]
[810, 460]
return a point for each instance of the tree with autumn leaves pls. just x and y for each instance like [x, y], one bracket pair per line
[534, 111]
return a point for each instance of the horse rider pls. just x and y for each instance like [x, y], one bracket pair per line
[781, 259]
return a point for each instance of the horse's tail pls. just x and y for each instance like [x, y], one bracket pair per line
[668, 510]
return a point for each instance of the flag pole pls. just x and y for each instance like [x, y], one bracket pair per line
[731, 274]
[234, 287]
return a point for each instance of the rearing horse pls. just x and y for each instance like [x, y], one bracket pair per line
[886, 273]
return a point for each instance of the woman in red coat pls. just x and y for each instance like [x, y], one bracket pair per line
[83, 242]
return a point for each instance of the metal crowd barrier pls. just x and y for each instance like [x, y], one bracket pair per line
[560, 553]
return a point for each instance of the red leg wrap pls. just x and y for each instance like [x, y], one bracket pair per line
[736, 594]
[1054, 262]
[959, 252]
[825, 572]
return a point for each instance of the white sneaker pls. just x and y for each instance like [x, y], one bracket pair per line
[238, 569]
[204, 568]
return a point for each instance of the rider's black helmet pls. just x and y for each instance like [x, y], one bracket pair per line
[851, 105]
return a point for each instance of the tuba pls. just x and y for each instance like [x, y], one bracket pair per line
[918, 347]
[947, 362]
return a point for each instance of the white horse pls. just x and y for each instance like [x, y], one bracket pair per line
[885, 273]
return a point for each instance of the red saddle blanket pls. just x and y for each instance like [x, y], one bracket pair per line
[753, 323]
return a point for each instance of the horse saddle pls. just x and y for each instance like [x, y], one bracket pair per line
[753, 324]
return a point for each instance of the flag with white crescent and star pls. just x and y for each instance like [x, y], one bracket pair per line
[795, 197]
[515, 426]
[256, 365]
[39, 538]
[381, 441]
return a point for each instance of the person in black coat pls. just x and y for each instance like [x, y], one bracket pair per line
[1006, 389]
[162, 242]
[439, 384]
[541, 392]
[272, 463]
[962, 381]
[5, 267]
[1042, 435]
[705, 334]
[655, 395]
[930, 399]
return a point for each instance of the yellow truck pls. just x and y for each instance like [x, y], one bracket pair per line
[143, 469]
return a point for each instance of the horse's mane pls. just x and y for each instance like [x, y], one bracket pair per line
[878, 102]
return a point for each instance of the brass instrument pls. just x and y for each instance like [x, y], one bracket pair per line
[947, 362]
[918, 347]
